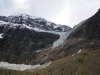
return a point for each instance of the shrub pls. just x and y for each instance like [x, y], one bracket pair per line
[37, 74]
[85, 54]
[79, 60]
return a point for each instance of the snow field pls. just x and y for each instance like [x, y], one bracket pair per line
[22, 67]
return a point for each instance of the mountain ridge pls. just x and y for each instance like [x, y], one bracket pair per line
[79, 54]
[86, 35]
[39, 23]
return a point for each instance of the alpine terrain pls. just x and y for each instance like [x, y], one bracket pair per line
[44, 48]
[22, 38]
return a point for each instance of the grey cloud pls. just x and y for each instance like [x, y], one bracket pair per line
[6, 7]
[46, 8]
[82, 9]
[49, 9]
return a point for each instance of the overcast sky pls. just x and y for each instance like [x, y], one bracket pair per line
[67, 12]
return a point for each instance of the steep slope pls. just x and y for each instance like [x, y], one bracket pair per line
[78, 55]
[34, 22]
[83, 63]
[85, 35]
[89, 29]
[19, 43]
[27, 40]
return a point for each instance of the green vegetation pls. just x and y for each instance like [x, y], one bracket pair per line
[37, 74]
[80, 60]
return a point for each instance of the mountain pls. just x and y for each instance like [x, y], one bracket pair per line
[34, 22]
[20, 45]
[78, 54]
[83, 36]
[90, 29]
[26, 39]
[87, 34]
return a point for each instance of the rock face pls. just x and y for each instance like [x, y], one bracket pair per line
[83, 36]
[89, 30]
[22, 37]
[34, 22]
[86, 35]
[19, 45]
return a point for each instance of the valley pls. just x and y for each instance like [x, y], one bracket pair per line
[34, 46]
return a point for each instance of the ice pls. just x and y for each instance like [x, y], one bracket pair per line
[2, 22]
[62, 39]
[63, 36]
[1, 36]
[22, 67]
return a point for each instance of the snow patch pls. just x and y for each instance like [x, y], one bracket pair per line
[48, 23]
[73, 55]
[1, 36]
[61, 40]
[2, 22]
[79, 51]
[56, 26]
[22, 67]
[92, 43]
[38, 51]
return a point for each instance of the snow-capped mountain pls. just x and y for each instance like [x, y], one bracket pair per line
[23, 36]
[23, 40]
[20, 43]
[29, 39]
[39, 23]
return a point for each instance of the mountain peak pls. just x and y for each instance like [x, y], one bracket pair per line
[98, 11]
[34, 22]
[97, 14]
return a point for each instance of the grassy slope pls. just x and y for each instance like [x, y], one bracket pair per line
[85, 63]
[13, 72]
